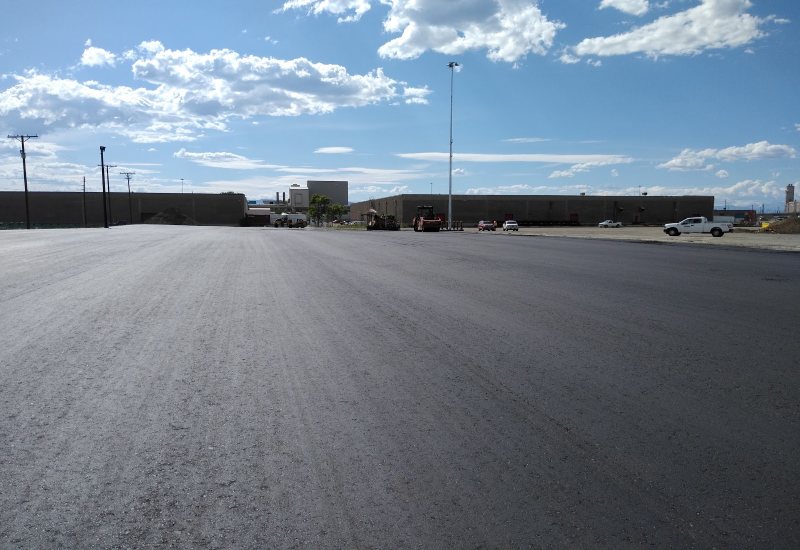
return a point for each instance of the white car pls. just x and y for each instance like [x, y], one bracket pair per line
[510, 225]
[609, 223]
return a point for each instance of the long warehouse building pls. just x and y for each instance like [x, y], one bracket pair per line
[543, 209]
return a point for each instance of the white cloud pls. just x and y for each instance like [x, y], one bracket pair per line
[633, 7]
[526, 140]
[743, 193]
[518, 189]
[596, 160]
[334, 150]
[507, 29]
[97, 57]
[376, 190]
[230, 161]
[588, 165]
[714, 24]
[690, 159]
[347, 10]
[722, 174]
[188, 93]
[418, 96]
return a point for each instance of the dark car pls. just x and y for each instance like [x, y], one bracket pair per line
[486, 226]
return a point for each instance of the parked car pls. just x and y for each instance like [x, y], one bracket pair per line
[609, 223]
[510, 225]
[486, 226]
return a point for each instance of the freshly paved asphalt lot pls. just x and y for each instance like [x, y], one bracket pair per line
[276, 388]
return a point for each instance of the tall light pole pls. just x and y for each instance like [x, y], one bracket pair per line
[181, 186]
[22, 140]
[452, 66]
[103, 176]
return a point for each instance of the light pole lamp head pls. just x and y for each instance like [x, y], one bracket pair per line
[453, 64]
[102, 148]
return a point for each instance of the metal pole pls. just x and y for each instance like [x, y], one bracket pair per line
[452, 66]
[103, 176]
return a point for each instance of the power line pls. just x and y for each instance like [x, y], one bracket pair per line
[22, 139]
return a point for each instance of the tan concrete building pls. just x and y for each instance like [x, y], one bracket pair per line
[544, 209]
[64, 209]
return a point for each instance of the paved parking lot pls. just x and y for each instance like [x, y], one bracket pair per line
[227, 387]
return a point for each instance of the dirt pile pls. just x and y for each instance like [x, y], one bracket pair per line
[171, 216]
[789, 225]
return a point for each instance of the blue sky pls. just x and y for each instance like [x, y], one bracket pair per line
[551, 96]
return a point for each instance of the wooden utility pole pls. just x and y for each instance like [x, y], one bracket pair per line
[84, 201]
[22, 139]
[130, 207]
[108, 184]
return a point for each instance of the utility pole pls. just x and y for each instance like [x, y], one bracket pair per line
[22, 139]
[181, 186]
[452, 66]
[130, 208]
[103, 176]
[108, 184]
[84, 201]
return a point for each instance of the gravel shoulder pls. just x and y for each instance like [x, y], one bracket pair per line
[741, 237]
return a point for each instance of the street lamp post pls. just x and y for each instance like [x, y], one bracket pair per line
[452, 66]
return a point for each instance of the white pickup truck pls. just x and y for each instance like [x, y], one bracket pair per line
[698, 225]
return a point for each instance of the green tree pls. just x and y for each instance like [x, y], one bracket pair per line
[336, 211]
[318, 207]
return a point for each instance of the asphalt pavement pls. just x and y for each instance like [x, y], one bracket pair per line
[287, 388]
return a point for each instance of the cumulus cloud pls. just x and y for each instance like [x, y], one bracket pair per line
[187, 93]
[507, 29]
[633, 7]
[690, 159]
[347, 10]
[722, 174]
[714, 24]
[97, 57]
